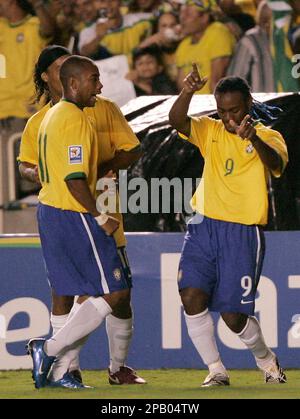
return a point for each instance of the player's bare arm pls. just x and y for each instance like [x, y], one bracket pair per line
[246, 130]
[29, 172]
[121, 161]
[81, 192]
[178, 114]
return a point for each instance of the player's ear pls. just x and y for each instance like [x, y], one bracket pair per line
[44, 77]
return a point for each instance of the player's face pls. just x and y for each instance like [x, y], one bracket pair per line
[52, 76]
[89, 87]
[232, 106]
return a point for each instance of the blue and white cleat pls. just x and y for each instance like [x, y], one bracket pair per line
[67, 381]
[41, 361]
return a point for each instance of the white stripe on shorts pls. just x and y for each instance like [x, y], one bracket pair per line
[257, 254]
[102, 274]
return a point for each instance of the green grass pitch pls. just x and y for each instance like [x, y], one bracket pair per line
[162, 384]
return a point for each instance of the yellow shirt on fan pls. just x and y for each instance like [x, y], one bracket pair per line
[21, 45]
[216, 42]
[233, 187]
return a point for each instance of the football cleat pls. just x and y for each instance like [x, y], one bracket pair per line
[125, 375]
[76, 374]
[67, 381]
[273, 373]
[217, 379]
[41, 361]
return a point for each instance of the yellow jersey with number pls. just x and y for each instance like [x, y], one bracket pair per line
[20, 45]
[112, 132]
[234, 181]
[67, 149]
[216, 42]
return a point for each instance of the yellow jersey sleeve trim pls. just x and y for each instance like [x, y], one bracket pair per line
[76, 175]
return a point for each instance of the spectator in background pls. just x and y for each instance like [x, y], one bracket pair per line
[111, 32]
[144, 5]
[209, 44]
[252, 57]
[167, 34]
[22, 37]
[148, 73]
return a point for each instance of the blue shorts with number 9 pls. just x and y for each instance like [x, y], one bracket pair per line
[224, 260]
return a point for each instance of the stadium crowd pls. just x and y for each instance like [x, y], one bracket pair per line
[160, 38]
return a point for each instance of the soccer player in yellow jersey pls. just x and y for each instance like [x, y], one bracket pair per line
[223, 250]
[118, 149]
[113, 280]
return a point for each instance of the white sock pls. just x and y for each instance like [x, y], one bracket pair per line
[89, 316]
[57, 322]
[201, 331]
[253, 338]
[62, 364]
[119, 332]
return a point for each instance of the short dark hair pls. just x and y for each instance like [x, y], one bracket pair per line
[233, 84]
[72, 67]
[152, 50]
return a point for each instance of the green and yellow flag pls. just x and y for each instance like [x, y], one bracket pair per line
[280, 47]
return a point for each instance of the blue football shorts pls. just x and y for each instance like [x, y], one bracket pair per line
[224, 260]
[80, 258]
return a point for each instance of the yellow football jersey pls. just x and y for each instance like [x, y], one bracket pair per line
[216, 42]
[21, 45]
[112, 131]
[67, 149]
[234, 181]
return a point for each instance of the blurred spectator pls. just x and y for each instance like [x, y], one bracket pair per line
[281, 49]
[294, 32]
[252, 57]
[144, 5]
[148, 73]
[209, 44]
[111, 32]
[22, 37]
[167, 34]
[232, 15]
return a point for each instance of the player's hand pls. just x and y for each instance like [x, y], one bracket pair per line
[246, 129]
[194, 81]
[111, 225]
[34, 175]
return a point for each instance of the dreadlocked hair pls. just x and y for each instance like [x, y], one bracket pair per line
[41, 87]
[267, 114]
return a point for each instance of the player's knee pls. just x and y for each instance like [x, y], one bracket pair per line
[235, 321]
[118, 299]
[193, 300]
[61, 305]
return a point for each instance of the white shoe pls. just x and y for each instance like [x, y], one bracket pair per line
[273, 373]
[216, 379]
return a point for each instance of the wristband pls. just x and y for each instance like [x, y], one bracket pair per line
[101, 219]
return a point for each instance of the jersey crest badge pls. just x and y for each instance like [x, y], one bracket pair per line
[249, 149]
[117, 274]
[75, 154]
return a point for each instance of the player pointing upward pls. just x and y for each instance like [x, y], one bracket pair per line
[223, 251]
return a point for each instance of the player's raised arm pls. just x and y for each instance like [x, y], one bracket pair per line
[178, 114]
